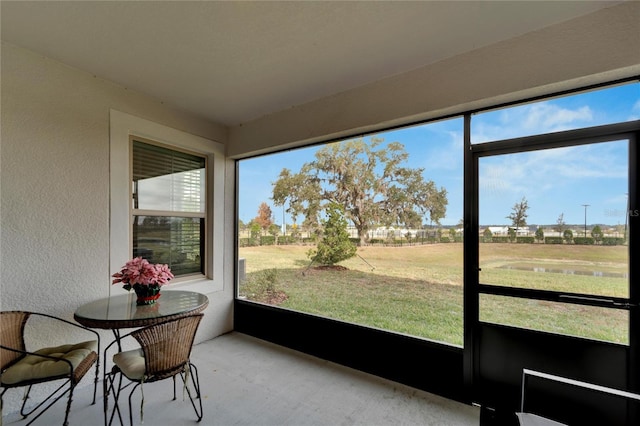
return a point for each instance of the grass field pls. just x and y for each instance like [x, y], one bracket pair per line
[417, 290]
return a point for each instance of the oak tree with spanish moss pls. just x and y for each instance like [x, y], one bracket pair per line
[369, 180]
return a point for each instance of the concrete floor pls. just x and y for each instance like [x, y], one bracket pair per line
[246, 381]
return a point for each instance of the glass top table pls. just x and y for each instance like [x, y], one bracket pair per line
[121, 311]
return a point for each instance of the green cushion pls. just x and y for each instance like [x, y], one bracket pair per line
[33, 367]
[131, 363]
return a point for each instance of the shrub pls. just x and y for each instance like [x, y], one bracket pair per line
[597, 233]
[568, 236]
[286, 239]
[267, 240]
[588, 241]
[444, 239]
[247, 242]
[525, 240]
[612, 241]
[487, 235]
[335, 245]
[500, 239]
[553, 240]
[260, 285]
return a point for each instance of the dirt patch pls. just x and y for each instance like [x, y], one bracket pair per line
[275, 297]
[318, 269]
[330, 268]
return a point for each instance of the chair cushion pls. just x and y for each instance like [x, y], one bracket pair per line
[33, 367]
[131, 363]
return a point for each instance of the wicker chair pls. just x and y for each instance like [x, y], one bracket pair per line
[164, 353]
[20, 368]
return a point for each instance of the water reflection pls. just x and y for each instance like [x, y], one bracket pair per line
[568, 271]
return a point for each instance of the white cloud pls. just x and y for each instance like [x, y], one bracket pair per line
[553, 118]
[538, 172]
[526, 120]
[545, 117]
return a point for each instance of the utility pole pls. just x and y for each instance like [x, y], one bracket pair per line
[284, 224]
[585, 218]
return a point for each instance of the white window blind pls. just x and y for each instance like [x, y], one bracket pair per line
[167, 180]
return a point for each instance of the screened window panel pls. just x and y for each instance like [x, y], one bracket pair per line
[167, 180]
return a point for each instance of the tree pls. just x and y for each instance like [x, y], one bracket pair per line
[254, 229]
[540, 234]
[274, 231]
[335, 245]
[487, 235]
[560, 225]
[518, 214]
[597, 233]
[568, 236]
[452, 234]
[264, 216]
[368, 180]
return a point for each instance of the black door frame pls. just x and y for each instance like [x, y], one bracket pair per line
[625, 371]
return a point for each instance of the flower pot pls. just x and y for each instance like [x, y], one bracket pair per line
[146, 294]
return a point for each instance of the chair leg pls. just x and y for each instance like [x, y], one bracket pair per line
[95, 381]
[51, 396]
[131, 407]
[66, 413]
[105, 398]
[25, 397]
[108, 387]
[174, 388]
[195, 381]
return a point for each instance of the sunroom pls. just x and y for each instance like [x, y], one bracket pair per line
[87, 87]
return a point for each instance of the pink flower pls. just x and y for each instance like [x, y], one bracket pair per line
[140, 271]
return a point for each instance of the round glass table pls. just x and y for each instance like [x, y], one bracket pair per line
[121, 311]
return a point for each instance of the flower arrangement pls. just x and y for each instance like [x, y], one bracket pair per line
[139, 272]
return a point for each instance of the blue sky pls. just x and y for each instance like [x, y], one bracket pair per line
[554, 182]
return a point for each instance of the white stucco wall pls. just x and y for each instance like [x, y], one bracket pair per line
[595, 48]
[54, 188]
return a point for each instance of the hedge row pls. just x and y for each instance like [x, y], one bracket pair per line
[525, 240]
[271, 240]
[553, 240]
[612, 241]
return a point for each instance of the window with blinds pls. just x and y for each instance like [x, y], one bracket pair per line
[168, 207]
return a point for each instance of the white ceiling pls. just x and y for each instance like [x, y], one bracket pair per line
[233, 62]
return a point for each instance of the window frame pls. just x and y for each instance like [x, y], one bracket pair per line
[124, 127]
[171, 213]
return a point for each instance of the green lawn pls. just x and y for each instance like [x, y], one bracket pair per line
[417, 290]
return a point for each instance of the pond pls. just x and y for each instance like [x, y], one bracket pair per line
[568, 271]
